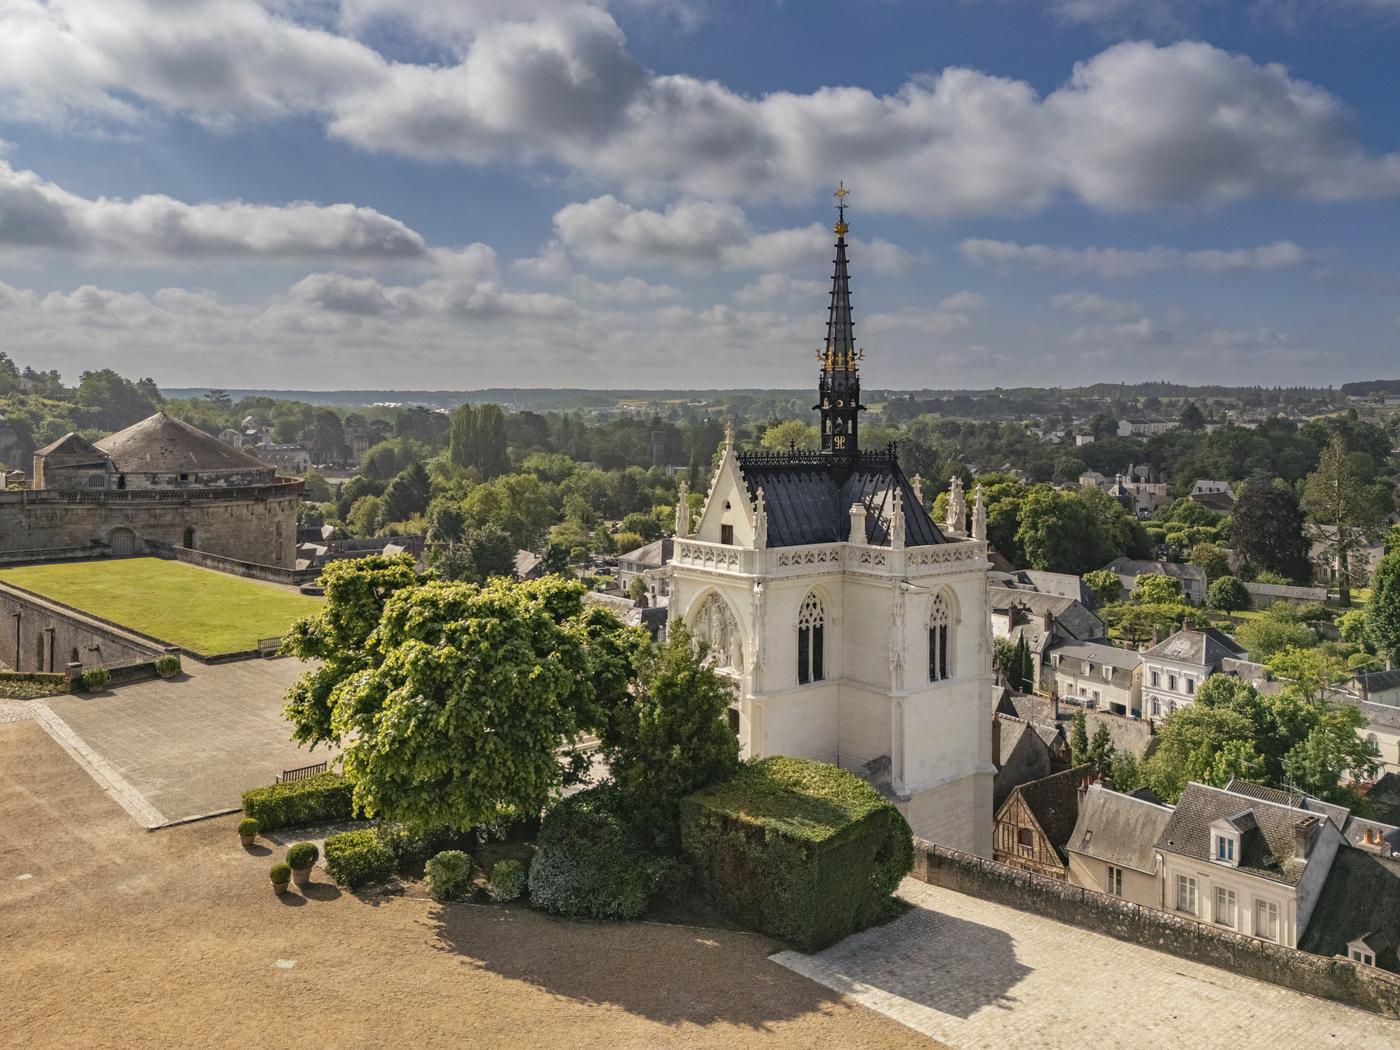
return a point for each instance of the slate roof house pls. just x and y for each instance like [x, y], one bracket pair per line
[1191, 577]
[1034, 824]
[1113, 848]
[1175, 667]
[1358, 914]
[1042, 620]
[1250, 865]
[1098, 675]
[1022, 752]
[1377, 696]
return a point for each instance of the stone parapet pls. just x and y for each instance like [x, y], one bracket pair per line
[1338, 979]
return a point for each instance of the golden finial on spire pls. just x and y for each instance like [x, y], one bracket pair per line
[840, 195]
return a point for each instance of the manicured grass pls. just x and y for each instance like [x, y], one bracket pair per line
[202, 610]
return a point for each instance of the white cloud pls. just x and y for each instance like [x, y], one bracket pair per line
[36, 214]
[695, 236]
[1092, 304]
[1116, 263]
[953, 314]
[1135, 126]
[771, 286]
[627, 290]
[1140, 330]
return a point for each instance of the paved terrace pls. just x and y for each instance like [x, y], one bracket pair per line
[167, 751]
[976, 974]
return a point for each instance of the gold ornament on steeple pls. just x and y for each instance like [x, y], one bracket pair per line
[840, 196]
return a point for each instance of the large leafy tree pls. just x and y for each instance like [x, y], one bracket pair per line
[408, 493]
[668, 736]
[461, 443]
[1227, 594]
[1339, 500]
[111, 402]
[1284, 739]
[1383, 608]
[451, 701]
[1268, 635]
[1266, 527]
[1106, 585]
[1155, 588]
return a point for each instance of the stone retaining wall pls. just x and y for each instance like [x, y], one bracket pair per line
[1337, 979]
[38, 634]
[251, 570]
[45, 554]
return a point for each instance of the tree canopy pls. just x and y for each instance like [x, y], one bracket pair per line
[451, 700]
[1285, 739]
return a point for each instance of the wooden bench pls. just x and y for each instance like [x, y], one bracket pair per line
[269, 646]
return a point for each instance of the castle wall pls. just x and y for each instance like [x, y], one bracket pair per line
[39, 635]
[255, 524]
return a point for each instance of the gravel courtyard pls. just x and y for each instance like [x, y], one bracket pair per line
[113, 936]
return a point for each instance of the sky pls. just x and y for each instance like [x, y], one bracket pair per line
[343, 194]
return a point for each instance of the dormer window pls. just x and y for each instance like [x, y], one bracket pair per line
[1225, 848]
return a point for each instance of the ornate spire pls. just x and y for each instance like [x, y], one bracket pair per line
[839, 385]
[979, 515]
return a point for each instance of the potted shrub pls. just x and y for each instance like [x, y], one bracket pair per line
[247, 831]
[94, 679]
[281, 875]
[168, 665]
[301, 857]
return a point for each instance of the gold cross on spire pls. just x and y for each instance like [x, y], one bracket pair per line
[840, 195]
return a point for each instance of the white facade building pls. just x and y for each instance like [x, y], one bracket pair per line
[855, 630]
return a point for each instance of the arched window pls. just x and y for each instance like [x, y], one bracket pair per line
[1374, 741]
[811, 628]
[940, 640]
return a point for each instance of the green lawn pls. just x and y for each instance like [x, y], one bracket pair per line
[198, 609]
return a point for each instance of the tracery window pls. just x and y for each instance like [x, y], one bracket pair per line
[811, 642]
[940, 639]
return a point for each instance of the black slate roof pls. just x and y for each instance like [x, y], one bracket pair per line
[1267, 851]
[1361, 899]
[1055, 802]
[1119, 829]
[808, 496]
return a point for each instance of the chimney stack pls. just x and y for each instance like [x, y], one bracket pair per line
[1302, 837]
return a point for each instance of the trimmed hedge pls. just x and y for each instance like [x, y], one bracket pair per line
[356, 858]
[588, 861]
[798, 849]
[315, 800]
[449, 875]
[412, 846]
[508, 880]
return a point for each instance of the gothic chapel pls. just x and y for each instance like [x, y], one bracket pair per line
[856, 631]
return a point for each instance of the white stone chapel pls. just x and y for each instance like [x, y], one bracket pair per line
[856, 630]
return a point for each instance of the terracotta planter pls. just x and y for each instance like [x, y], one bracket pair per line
[301, 876]
[279, 888]
[247, 840]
